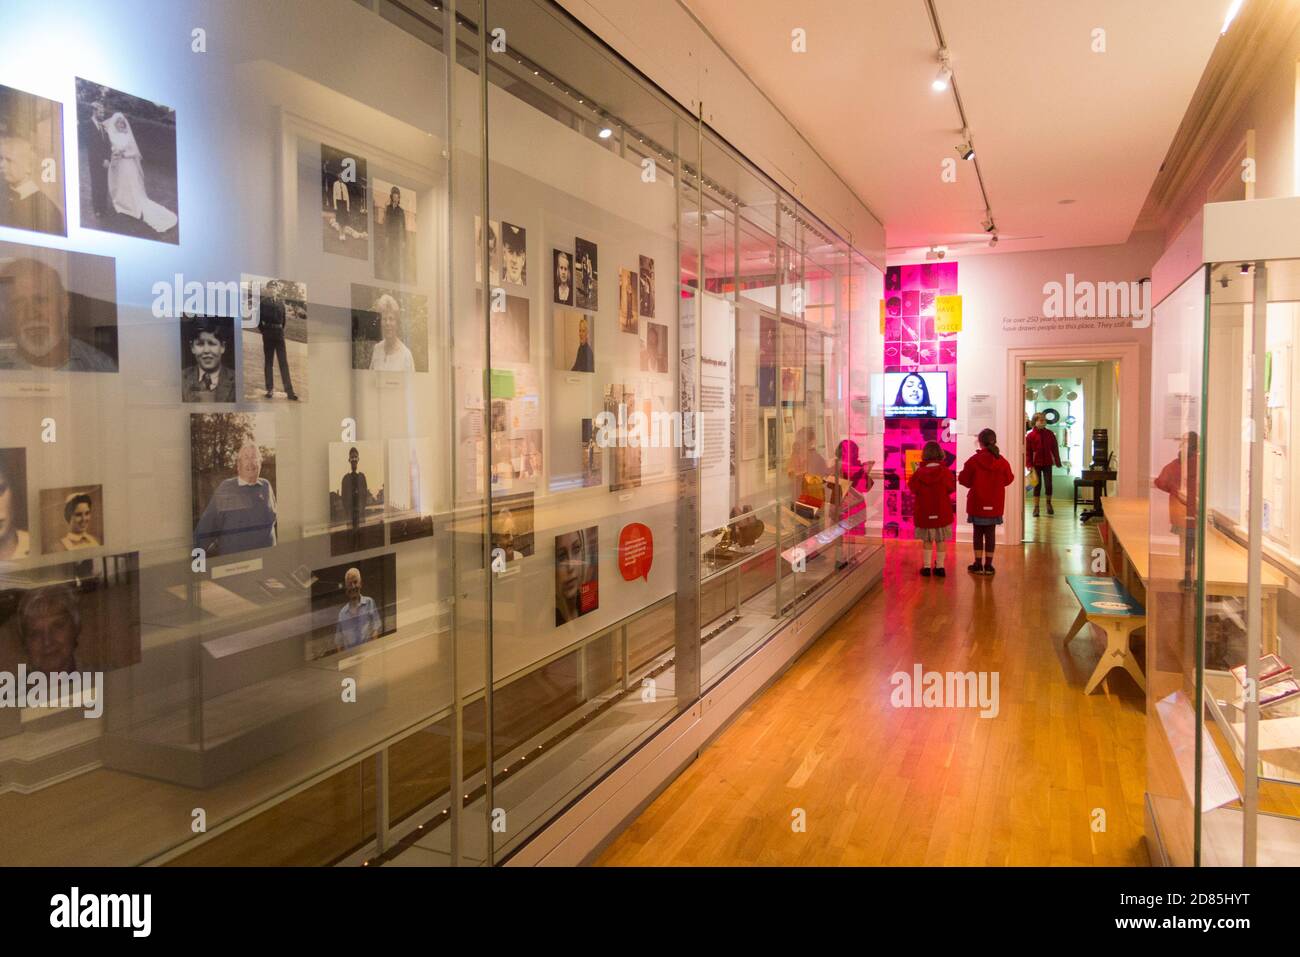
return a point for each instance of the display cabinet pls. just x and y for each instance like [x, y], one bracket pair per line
[1224, 564]
[403, 405]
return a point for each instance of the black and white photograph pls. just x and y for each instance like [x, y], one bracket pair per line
[408, 491]
[512, 525]
[32, 185]
[15, 534]
[395, 230]
[577, 574]
[585, 272]
[562, 277]
[356, 496]
[625, 458]
[646, 280]
[207, 359]
[126, 153]
[592, 456]
[654, 347]
[79, 615]
[58, 310]
[511, 335]
[514, 254]
[494, 251]
[274, 339]
[72, 518]
[345, 216]
[574, 343]
[232, 473]
[390, 330]
[627, 296]
[352, 604]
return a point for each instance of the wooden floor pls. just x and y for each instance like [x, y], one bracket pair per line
[886, 786]
[1063, 528]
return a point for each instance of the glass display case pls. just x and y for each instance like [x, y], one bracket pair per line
[1224, 566]
[434, 409]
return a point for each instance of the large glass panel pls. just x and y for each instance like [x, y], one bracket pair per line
[224, 313]
[1167, 581]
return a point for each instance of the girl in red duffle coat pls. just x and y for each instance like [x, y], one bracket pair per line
[987, 474]
[932, 485]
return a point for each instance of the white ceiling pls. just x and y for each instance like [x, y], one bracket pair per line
[1051, 119]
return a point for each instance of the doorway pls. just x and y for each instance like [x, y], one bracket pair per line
[1071, 412]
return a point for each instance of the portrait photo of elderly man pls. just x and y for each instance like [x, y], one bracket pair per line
[31, 163]
[42, 324]
[234, 512]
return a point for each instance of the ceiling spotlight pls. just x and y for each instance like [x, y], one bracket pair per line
[936, 252]
[987, 223]
[966, 151]
[945, 72]
[606, 133]
[993, 240]
[1245, 268]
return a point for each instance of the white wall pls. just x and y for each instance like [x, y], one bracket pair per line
[999, 289]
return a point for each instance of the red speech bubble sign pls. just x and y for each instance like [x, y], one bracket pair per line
[636, 551]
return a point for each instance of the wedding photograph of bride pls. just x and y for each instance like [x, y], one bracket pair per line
[127, 162]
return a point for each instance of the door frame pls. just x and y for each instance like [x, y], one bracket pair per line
[1126, 355]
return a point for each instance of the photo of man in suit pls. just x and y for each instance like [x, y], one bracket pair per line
[271, 319]
[207, 375]
[100, 150]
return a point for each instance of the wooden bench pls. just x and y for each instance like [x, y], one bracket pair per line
[1108, 605]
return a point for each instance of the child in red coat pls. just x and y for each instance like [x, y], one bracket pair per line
[987, 474]
[932, 485]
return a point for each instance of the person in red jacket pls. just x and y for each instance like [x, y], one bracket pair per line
[987, 474]
[932, 485]
[1041, 453]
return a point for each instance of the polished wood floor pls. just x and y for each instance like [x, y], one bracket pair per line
[886, 786]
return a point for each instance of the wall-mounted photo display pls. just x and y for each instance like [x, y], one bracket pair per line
[345, 216]
[575, 342]
[646, 278]
[72, 518]
[395, 232]
[792, 384]
[514, 254]
[390, 330]
[58, 310]
[620, 402]
[591, 456]
[577, 574]
[494, 251]
[274, 338]
[356, 496]
[408, 491]
[627, 298]
[352, 604]
[526, 455]
[127, 156]
[511, 334]
[586, 289]
[512, 525]
[15, 536]
[207, 358]
[73, 616]
[562, 277]
[654, 347]
[31, 163]
[232, 471]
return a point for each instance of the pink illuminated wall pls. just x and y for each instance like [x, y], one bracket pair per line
[911, 343]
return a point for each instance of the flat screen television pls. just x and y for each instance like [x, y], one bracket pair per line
[914, 395]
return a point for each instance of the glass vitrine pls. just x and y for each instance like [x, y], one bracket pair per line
[1224, 568]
